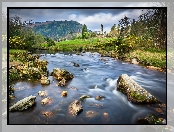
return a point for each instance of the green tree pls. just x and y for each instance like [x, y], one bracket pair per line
[124, 24]
[113, 27]
[84, 30]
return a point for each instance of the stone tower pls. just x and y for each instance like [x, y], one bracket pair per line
[101, 31]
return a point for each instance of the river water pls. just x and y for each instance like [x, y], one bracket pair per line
[93, 77]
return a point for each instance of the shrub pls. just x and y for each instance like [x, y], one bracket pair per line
[16, 43]
[50, 42]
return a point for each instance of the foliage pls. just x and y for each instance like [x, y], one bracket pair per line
[22, 37]
[125, 26]
[93, 34]
[113, 27]
[50, 42]
[58, 29]
[16, 42]
[84, 31]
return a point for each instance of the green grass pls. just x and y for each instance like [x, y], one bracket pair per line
[11, 51]
[149, 58]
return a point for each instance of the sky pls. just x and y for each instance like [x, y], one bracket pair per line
[93, 18]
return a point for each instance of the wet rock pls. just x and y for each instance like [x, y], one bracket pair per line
[84, 96]
[106, 116]
[135, 93]
[134, 61]
[42, 93]
[44, 80]
[75, 64]
[151, 119]
[61, 83]
[12, 97]
[77, 53]
[99, 97]
[159, 110]
[91, 113]
[59, 74]
[23, 104]
[47, 113]
[64, 93]
[62, 76]
[83, 51]
[46, 101]
[102, 59]
[75, 107]
[98, 105]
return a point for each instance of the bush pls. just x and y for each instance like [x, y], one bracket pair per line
[16, 43]
[50, 42]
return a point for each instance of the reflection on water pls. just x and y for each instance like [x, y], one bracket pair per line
[93, 77]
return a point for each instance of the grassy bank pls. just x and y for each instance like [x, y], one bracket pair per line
[123, 49]
[150, 57]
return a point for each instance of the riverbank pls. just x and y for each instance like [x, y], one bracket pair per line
[150, 58]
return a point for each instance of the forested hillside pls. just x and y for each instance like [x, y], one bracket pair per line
[58, 29]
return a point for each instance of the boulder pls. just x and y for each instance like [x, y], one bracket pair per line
[42, 93]
[23, 104]
[135, 93]
[62, 76]
[61, 83]
[75, 107]
[44, 80]
[46, 101]
[59, 74]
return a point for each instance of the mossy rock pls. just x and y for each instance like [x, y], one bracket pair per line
[134, 92]
[60, 74]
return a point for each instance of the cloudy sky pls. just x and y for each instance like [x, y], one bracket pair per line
[93, 18]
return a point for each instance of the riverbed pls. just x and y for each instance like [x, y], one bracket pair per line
[95, 76]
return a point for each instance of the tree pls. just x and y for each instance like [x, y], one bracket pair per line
[124, 24]
[113, 27]
[22, 36]
[84, 29]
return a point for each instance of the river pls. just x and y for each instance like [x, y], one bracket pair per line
[93, 77]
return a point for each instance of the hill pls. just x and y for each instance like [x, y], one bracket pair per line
[57, 29]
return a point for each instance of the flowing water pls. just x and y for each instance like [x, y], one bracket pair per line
[93, 77]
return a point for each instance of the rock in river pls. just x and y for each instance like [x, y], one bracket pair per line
[46, 101]
[59, 74]
[62, 76]
[135, 93]
[23, 104]
[84, 96]
[75, 107]
[44, 80]
[42, 93]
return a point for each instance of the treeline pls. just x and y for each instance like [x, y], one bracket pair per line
[22, 37]
[148, 32]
